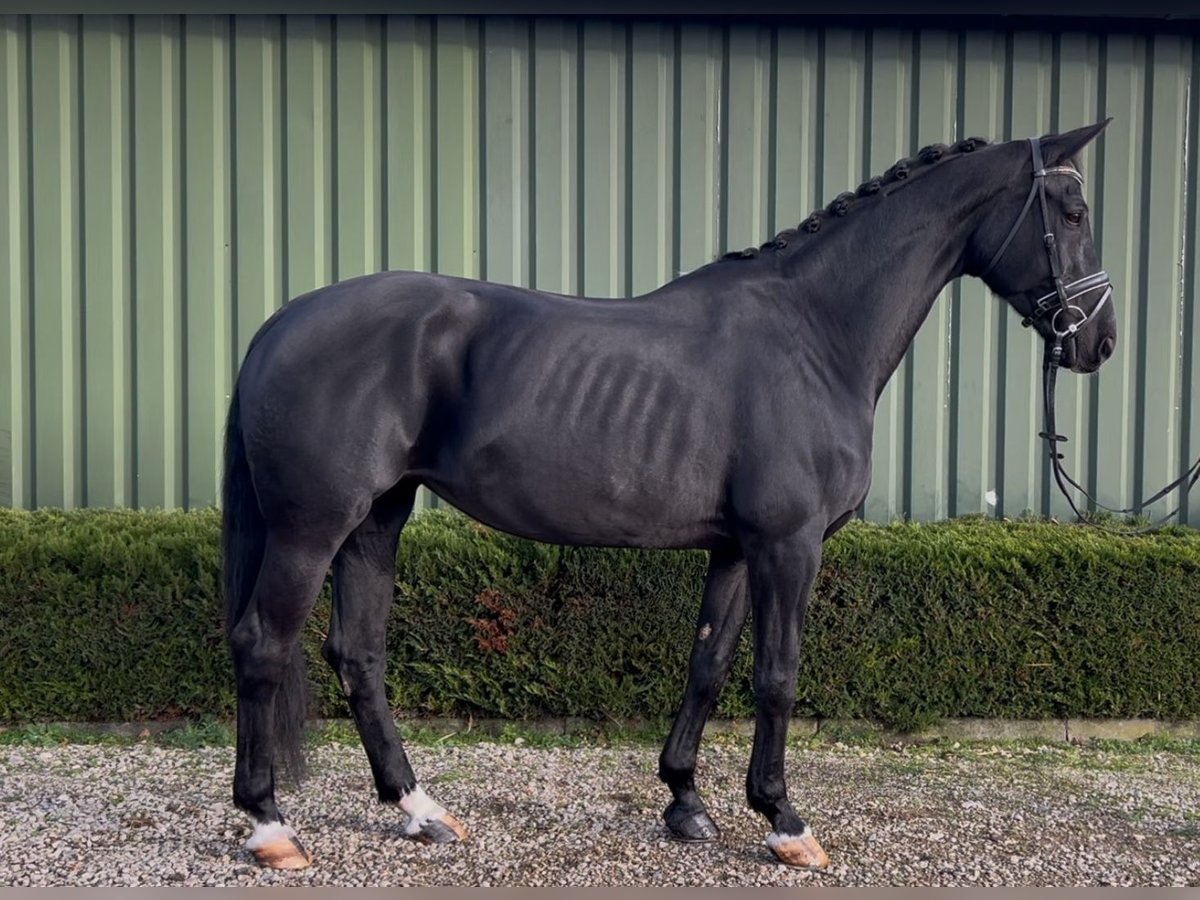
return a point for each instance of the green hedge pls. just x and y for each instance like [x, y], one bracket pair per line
[115, 615]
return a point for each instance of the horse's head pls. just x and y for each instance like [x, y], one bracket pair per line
[1035, 249]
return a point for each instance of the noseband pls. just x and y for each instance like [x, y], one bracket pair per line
[1061, 299]
[1054, 304]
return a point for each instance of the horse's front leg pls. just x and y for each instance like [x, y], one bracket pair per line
[782, 572]
[722, 615]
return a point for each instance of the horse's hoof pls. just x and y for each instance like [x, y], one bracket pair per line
[277, 847]
[799, 850]
[442, 829]
[690, 826]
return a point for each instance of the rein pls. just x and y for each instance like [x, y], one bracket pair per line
[1052, 437]
[1057, 303]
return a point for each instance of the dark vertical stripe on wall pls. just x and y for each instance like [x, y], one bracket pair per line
[284, 162]
[865, 163]
[531, 140]
[954, 397]
[723, 146]
[235, 336]
[481, 202]
[1002, 331]
[627, 274]
[135, 497]
[182, 276]
[773, 223]
[581, 209]
[677, 150]
[820, 137]
[383, 144]
[908, 401]
[335, 186]
[1143, 279]
[581, 247]
[32, 277]
[1096, 216]
[81, 299]
[1055, 81]
[868, 106]
[131, 406]
[1189, 446]
[434, 217]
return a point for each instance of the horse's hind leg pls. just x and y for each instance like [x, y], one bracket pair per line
[722, 615]
[364, 576]
[270, 681]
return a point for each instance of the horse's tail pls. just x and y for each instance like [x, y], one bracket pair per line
[243, 540]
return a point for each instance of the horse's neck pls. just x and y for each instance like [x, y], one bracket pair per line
[880, 273]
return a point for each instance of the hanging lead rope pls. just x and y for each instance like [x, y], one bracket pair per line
[1053, 439]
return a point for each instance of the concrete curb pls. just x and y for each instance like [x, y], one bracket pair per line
[949, 729]
[1057, 730]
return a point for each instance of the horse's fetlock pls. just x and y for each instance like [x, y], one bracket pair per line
[255, 798]
[675, 773]
[766, 794]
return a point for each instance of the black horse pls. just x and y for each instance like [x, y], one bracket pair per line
[729, 410]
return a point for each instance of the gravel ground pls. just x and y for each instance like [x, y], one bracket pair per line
[987, 815]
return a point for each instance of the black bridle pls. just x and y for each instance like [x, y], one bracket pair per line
[1059, 302]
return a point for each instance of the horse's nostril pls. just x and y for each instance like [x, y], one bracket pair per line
[1107, 346]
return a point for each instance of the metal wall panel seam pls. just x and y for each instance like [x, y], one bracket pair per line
[1189, 432]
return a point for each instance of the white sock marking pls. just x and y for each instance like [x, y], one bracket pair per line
[267, 833]
[420, 808]
[774, 841]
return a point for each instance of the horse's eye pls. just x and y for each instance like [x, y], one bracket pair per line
[1074, 217]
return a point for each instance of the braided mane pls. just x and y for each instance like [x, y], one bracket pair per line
[843, 203]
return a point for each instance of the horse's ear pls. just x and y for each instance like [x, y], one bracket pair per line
[1058, 148]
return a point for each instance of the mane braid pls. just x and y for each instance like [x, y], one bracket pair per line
[844, 202]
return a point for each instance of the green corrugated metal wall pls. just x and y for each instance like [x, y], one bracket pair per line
[165, 182]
